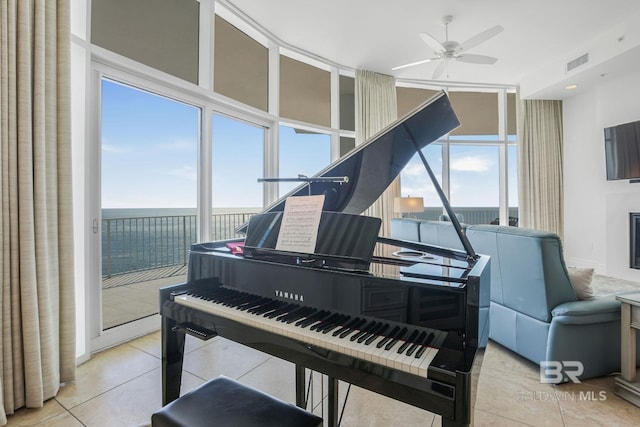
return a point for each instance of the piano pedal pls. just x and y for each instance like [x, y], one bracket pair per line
[195, 331]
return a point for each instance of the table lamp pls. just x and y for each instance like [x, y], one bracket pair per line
[404, 205]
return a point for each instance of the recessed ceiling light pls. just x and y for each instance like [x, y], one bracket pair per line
[570, 87]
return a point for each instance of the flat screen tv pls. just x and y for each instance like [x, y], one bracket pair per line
[622, 151]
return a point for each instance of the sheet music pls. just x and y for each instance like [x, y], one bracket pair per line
[300, 221]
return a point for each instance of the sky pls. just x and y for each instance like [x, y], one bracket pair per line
[149, 158]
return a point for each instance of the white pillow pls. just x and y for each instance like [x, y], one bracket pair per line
[580, 279]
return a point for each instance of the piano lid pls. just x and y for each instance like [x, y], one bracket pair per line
[374, 164]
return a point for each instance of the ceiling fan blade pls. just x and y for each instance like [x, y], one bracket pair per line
[439, 70]
[480, 38]
[476, 59]
[411, 64]
[432, 42]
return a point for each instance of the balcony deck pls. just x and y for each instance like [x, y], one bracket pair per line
[131, 296]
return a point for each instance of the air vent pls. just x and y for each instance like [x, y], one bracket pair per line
[578, 62]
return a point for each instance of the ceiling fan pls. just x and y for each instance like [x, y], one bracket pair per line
[450, 50]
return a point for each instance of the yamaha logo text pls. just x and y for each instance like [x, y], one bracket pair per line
[290, 295]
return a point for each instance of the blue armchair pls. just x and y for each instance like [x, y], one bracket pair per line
[534, 310]
[531, 306]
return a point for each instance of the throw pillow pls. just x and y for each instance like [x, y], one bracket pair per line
[580, 279]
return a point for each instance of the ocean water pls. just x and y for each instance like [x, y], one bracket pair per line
[146, 238]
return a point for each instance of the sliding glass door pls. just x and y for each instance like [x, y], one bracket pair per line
[148, 192]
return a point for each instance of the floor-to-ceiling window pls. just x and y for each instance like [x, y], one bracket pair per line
[267, 109]
[302, 153]
[477, 160]
[148, 198]
[237, 162]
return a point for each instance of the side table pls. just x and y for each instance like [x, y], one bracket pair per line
[627, 385]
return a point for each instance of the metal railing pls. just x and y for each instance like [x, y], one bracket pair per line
[144, 243]
[469, 215]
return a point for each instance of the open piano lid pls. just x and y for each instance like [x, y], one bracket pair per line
[373, 165]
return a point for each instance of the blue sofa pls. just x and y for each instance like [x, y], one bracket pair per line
[533, 309]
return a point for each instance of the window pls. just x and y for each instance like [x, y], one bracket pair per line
[415, 181]
[237, 163]
[301, 153]
[149, 190]
[470, 158]
[474, 175]
[513, 184]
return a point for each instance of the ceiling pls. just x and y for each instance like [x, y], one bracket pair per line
[540, 37]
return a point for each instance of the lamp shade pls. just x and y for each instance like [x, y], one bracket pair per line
[408, 204]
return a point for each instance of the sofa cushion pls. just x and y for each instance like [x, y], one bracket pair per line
[530, 262]
[440, 233]
[405, 229]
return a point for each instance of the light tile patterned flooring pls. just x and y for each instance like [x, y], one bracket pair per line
[121, 387]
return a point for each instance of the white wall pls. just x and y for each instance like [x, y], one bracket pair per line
[596, 210]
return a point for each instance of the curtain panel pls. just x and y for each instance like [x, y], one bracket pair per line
[540, 165]
[36, 242]
[376, 107]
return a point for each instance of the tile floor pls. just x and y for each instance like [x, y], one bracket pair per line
[121, 387]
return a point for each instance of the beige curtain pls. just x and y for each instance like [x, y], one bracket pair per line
[36, 268]
[540, 165]
[376, 107]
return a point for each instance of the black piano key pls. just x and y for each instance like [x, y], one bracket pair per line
[370, 332]
[395, 339]
[378, 334]
[417, 343]
[364, 330]
[282, 310]
[347, 326]
[312, 319]
[263, 308]
[328, 321]
[334, 323]
[339, 323]
[285, 316]
[275, 306]
[234, 300]
[425, 345]
[319, 318]
[251, 304]
[352, 329]
[389, 336]
[297, 315]
[409, 340]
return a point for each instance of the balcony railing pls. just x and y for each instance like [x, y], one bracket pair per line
[470, 215]
[144, 243]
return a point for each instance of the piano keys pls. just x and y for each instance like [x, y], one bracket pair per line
[391, 344]
[401, 325]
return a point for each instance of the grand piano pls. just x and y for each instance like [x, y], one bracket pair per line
[395, 317]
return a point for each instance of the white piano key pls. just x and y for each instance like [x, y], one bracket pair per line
[390, 358]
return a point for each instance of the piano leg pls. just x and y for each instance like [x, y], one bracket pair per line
[332, 401]
[300, 387]
[172, 357]
[451, 423]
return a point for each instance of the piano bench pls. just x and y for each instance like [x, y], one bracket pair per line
[225, 402]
